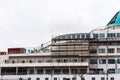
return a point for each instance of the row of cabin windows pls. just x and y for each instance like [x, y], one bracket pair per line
[93, 78]
[102, 78]
[108, 43]
[57, 60]
[109, 35]
[43, 71]
[109, 50]
[75, 36]
[113, 35]
[104, 61]
[102, 35]
[74, 78]
[95, 35]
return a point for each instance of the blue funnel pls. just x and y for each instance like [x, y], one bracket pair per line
[115, 21]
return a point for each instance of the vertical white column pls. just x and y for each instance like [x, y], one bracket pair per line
[1, 75]
[27, 71]
[16, 70]
[88, 69]
[69, 70]
[61, 71]
[116, 67]
[0, 71]
[43, 70]
[34, 70]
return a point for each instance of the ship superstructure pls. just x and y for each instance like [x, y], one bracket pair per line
[79, 56]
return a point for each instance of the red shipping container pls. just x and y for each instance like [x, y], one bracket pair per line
[16, 50]
[3, 53]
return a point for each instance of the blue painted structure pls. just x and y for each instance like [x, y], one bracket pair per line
[115, 21]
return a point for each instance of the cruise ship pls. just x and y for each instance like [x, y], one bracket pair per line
[94, 55]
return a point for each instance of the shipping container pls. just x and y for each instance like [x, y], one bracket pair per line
[16, 50]
[3, 53]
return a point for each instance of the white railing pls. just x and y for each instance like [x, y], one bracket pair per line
[44, 64]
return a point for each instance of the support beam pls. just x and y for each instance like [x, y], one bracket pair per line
[16, 70]
[34, 70]
[69, 70]
[0, 71]
[43, 70]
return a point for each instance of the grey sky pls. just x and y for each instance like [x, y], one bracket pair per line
[27, 23]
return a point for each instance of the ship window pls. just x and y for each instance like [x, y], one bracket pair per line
[93, 51]
[65, 60]
[58, 60]
[83, 71]
[93, 61]
[73, 36]
[111, 50]
[29, 78]
[13, 61]
[118, 61]
[82, 35]
[112, 43]
[102, 61]
[37, 78]
[112, 78]
[93, 78]
[111, 61]
[78, 36]
[39, 61]
[87, 35]
[118, 50]
[102, 35]
[95, 35]
[6, 61]
[74, 60]
[22, 71]
[118, 34]
[111, 35]
[102, 78]
[46, 79]
[64, 78]
[31, 71]
[30, 61]
[118, 71]
[48, 60]
[57, 71]
[65, 71]
[102, 43]
[39, 71]
[48, 71]
[82, 78]
[74, 71]
[101, 50]
[55, 78]
[68, 36]
[74, 78]
[23, 61]
[62, 37]
[83, 60]
[20, 79]
[118, 43]
[111, 71]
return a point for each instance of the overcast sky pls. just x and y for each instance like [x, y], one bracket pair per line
[28, 23]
